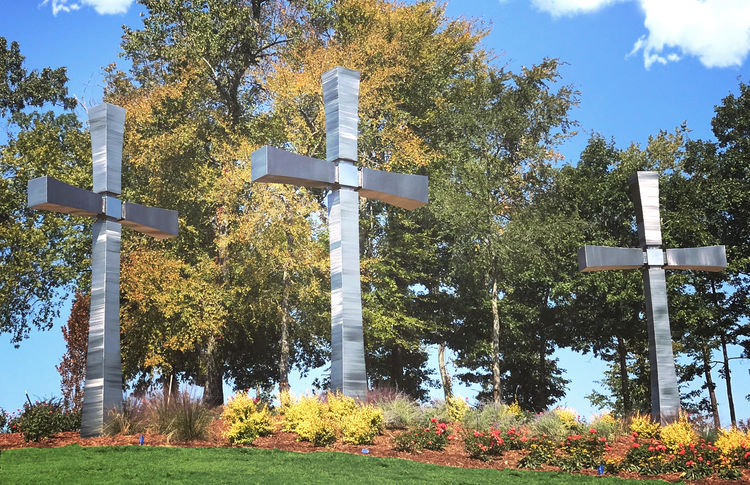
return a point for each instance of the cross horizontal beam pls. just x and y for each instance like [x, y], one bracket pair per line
[601, 258]
[51, 194]
[709, 258]
[273, 165]
[400, 189]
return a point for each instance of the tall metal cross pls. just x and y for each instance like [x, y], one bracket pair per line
[644, 189]
[103, 385]
[347, 183]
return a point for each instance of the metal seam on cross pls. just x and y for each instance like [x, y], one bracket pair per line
[103, 385]
[644, 186]
[347, 183]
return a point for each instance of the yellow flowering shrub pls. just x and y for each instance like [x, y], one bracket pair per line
[678, 434]
[339, 417]
[457, 408]
[730, 440]
[568, 417]
[515, 408]
[247, 419]
[644, 426]
[362, 425]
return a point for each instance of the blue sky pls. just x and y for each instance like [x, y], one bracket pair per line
[641, 66]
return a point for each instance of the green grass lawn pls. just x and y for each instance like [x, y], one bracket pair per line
[147, 465]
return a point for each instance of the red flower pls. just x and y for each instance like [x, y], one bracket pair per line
[592, 431]
[689, 463]
[635, 445]
[434, 420]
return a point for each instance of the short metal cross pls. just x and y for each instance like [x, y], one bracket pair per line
[644, 189]
[347, 183]
[103, 385]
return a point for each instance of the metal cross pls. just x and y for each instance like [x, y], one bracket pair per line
[644, 189]
[347, 183]
[103, 386]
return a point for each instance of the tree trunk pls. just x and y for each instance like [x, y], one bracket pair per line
[497, 393]
[622, 354]
[447, 386]
[284, 357]
[727, 373]
[213, 393]
[728, 380]
[710, 386]
[170, 386]
[542, 394]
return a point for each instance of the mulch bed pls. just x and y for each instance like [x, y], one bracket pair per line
[453, 455]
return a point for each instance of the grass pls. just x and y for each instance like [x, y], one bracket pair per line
[136, 464]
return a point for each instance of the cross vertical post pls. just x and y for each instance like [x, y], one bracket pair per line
[644, 190]
[341, 98]
[347, 183]
[103, 384]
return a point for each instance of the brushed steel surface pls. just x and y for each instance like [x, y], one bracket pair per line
[272, 165]
[347, 182]
[347, 174]
[644, 187]
[103, 386]
[402, 190]
[47, 193]
[644, 190]
[158, 223]
[665, 395]
[710, 258]
[341, 102]
[107, 126]
[347, 344]
[600, 258]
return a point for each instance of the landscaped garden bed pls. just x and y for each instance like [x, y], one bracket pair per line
[497, 437]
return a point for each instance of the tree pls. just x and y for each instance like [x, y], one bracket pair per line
[72, 367]
[42, 254]
[505, 127]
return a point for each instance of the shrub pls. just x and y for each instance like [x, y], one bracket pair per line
[483, 445]
[247, 419]
[181, 418]
[541, 451]
[4, 417]
[644, 427]
[457, 408]
[130, 420]
[70, 420]
[38, 421]
[400, 412]
[582, 451]
[551, 425]
[568, 417]
[434, 436]
[732, 440]
[362, 425]
[499, 416]
[678, 433]
[696, 461]
[606, 425]
[647, 457]
[339, 417]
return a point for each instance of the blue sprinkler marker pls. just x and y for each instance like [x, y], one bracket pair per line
[601, 469]
[365, 451]
[141, 441]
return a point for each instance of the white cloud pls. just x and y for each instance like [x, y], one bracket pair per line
[571, 7]
[717, 32]
[102, 7]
